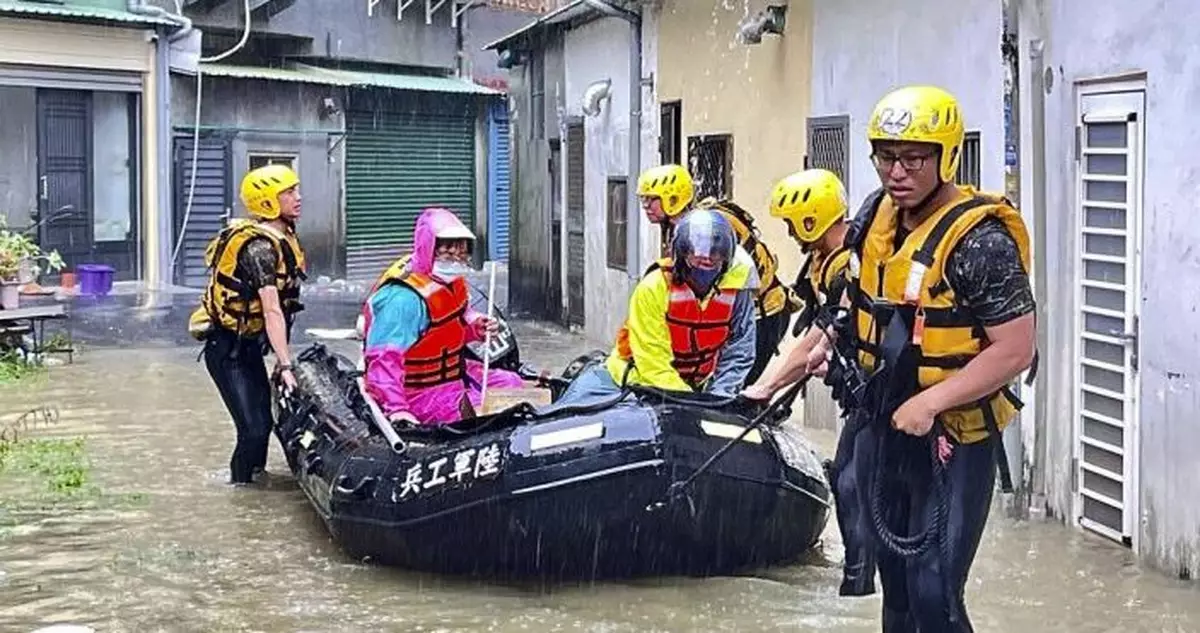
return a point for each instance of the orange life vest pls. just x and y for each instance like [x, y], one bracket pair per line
[698, 331]
[437, 356]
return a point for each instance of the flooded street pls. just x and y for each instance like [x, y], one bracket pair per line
[156, 541]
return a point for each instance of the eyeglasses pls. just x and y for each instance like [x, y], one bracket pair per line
[910, 162]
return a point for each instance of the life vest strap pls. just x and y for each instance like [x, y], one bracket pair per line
[934, 238]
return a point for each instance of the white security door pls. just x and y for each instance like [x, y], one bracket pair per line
[1107, 283]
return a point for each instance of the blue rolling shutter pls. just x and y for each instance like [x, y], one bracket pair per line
[498, 181]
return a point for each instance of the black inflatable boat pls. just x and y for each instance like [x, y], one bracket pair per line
[577, 493]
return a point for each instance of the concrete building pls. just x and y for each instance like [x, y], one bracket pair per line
[372, 104]
[83, 141]
[735, 112]
[1106, 108]
[1098, 154]
[571, 88]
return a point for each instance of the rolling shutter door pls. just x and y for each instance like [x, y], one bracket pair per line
[210, 205]
[397, 164]
[498, 182]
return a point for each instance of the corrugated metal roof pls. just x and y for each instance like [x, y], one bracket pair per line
[336, 77]
[80, 13]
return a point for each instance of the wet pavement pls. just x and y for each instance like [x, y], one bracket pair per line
[155, 540]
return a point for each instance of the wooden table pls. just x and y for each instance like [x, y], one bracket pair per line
[32, 321]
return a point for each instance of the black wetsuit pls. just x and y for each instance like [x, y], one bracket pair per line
[238, 367]
[768, 333]
[920, 594]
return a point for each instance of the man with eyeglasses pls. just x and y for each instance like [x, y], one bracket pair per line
[941, 322]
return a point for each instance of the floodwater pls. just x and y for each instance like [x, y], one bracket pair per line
[161, 543]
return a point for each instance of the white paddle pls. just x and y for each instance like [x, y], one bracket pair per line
[487, 339]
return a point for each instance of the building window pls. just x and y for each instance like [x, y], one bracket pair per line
[968, 166]
[257, 160]
[829, 145]
[710, 159]
[618, 215]
[670, 148]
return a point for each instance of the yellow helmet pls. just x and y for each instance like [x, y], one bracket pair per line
[921, 114]
[672, 183]
[261, 188]
[810, 201]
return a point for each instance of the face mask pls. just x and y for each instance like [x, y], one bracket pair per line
[448, 271]
[702, 279]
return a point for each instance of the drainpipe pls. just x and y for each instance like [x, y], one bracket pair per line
[141, 8]
[1041, 245]
[157, 265]
[157, 233]
[633, 239]
[1013, 437]
[165, 202]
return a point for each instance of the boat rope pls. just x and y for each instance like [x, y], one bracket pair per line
[676, 489]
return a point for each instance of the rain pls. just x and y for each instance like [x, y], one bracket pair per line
[128, 126]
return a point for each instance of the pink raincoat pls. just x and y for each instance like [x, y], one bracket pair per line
[395, 317]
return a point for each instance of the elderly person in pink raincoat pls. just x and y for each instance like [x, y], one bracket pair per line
[417, 322]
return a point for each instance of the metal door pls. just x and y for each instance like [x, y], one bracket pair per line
[211, 204]
[554, 283]
[1107, 297]
[576, 261]
[498, 181]
[64, 133]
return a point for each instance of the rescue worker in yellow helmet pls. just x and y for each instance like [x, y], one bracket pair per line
[813, 205]
[942, 321]
[690, 326]
[249, 305]
[666, 193]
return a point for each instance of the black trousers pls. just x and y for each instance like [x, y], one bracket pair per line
[923, 593]
[239, 370]
[768, 333]
[854, 522]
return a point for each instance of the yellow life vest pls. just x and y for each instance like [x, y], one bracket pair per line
[915, 275]
[821, 282]
[827, 270]
[227, 302]
[773, 296]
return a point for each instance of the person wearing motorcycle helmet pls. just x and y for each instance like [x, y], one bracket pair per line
[417, 322]
[666, 193]
[940, 293]
[248, 306]
[690, 325]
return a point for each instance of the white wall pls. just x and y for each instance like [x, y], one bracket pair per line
[1088, 41]
[595, 51]
[863, 49]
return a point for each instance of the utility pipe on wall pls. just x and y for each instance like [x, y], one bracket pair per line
[1010, 33]
[633, 217]
[1041, 244]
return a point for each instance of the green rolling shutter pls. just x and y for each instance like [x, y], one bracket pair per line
[398, 163]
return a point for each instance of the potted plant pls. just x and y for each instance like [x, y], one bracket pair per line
[20, 256]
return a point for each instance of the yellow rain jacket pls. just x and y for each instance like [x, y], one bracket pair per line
[645, 339]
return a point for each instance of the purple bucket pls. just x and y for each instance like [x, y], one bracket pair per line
[94, 279]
